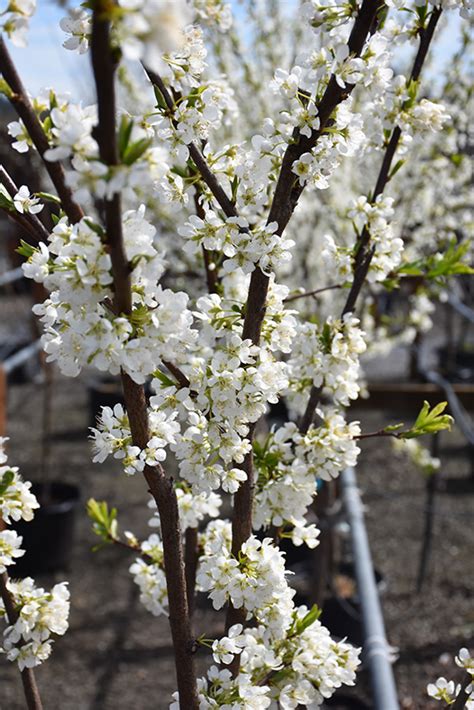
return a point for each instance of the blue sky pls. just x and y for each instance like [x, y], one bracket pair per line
[45, 63]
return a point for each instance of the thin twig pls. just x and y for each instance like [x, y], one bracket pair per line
[177, 373]
[363, 259]
[211, 272]
[22, 104]
[161, 488]
[317, 291]
[198, 158]
[380, 432]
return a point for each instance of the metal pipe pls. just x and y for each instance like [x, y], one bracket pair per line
[17, 359]
[11, 276]
[461, 308]
[376, 647]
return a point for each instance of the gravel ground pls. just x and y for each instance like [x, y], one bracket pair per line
[116, 656]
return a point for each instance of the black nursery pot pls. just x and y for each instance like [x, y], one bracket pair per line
[342, 701]
[48, 538]
[105, 392]
[343, 615]
[457, 364]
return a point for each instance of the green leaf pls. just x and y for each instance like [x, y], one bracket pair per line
[5, 89]
[48, 197]
[7, 479]
[393, 427]
[97, 228]
[313, 615]
[160, 99]
[413, 268]
[234, 187]
[326, 338]
[135, 151]
[164, 379]
[182, 172]
[6, 200]
[451, 262]
[440, 265]
[429, 421]
[104, 521]
[25, 249]
[124, 133]
[399, 164]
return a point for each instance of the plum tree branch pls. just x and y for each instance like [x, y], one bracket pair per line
[285, 199]
[161, 488]
[360, 266]
[207, 175]
[365, 251]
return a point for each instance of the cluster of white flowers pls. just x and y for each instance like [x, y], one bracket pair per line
[327, 356]
[289, 466]
[397, 106]
[344, 139]
[255, 581]
[448, 690]
[301, 668]
[10, 548]
[113, 437]
[243, 247]
[214, 13]
[17, 502]
[149, 574]
[40, 615]
[373, 219]
[81, 327]
[15, 20]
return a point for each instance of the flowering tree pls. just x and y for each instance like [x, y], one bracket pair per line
[219, 145]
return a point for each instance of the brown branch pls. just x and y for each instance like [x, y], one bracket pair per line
[288, 190]
[308, 416]
[177, 374]
[30, 689]
[285, 199]
[161, 488]
[364, 258]
[26, 112]
[365, 252]
[199, 160]
[463, 696]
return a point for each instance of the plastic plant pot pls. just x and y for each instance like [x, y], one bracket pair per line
[342, 613]
[106, 392]
[48, 539]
